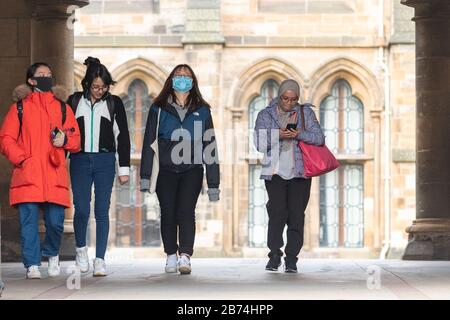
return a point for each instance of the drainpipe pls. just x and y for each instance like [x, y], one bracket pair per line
[383, 55]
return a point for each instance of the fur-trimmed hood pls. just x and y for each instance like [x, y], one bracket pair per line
[22, 91]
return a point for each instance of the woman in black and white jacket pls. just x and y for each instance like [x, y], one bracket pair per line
[104, 132]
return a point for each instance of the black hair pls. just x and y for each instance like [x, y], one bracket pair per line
[32, 70]
[194, 98]
[95, 70]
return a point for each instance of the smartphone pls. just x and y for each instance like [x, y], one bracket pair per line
[55, 133]
[291, 126]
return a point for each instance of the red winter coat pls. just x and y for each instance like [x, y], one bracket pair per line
[34, 177]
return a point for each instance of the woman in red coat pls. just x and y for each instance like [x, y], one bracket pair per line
[35, 134]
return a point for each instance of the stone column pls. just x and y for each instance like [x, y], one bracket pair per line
[429, 234]
[33, 30]
[237, 171]
[15, 16]
[52, 37]
[377, 219]
[52, 41]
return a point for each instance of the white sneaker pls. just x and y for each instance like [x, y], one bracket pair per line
[53, 266]
[99, 267]
[33, 272]
[171, 263]
[184, 264]
[82, 259]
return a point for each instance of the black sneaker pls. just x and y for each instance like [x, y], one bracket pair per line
[274, 263]
[290, 266]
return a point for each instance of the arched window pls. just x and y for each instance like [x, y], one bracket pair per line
[137, 214]
[342, 191]
[257, 221]
[137, 103]
[342, 120]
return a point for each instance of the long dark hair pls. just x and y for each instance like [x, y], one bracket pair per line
[194, 99]
[95, 70]
[32, 70]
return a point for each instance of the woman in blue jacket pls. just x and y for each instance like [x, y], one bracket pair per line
[180, 122]
[277, 132]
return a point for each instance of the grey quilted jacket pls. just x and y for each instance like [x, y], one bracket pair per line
[266, 137]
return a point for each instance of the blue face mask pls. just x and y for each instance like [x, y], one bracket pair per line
[182, 84]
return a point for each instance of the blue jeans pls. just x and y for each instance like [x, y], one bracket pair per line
[87, 169]
[29, 231]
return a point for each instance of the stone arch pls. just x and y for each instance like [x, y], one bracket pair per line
[247, 85]
[364, 83]
[142, 69]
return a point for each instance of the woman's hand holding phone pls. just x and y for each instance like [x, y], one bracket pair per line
[290, 132]
[58, 137]
[291, 126]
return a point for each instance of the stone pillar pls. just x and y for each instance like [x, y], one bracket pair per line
[237, 171]
[36, 31]
[15, 16]
[377, 219]
[52, 41]
[429, 234]
[52, 37]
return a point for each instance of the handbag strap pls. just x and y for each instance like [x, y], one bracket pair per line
[303, 116]
[157, 122]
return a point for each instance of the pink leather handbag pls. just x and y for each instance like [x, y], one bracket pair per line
[317, 160]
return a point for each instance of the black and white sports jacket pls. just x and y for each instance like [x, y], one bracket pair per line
[103, 126]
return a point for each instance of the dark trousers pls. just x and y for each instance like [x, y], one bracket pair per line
[178, 194]
[286, 206]
[87, 169]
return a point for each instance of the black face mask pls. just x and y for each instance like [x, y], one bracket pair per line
[44, 84]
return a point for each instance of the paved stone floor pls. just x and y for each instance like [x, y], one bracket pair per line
[228, 278]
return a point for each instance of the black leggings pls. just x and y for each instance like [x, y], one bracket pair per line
[178, 194]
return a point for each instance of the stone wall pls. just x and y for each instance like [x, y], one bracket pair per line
[314, 42]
